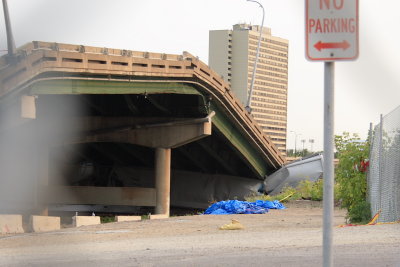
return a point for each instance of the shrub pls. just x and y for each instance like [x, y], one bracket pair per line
[360, 213]
[350, 178]
[304, 190]
[310, 190]
[107, 219]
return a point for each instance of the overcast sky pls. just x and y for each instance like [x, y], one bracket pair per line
[364, 88]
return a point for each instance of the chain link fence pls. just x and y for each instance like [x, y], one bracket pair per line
[384, 170]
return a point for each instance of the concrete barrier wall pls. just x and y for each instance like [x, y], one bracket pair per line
[85, 220]
[11, 224]
[45, 223]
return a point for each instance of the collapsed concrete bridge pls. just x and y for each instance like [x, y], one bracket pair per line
[99, 126]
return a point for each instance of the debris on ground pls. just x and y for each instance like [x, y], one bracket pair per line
[234, 225]
[243, 207]
[372, 222]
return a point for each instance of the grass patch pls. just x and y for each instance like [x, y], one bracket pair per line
[146, 217]
[107, 219]
[304, 190]
[288, 193]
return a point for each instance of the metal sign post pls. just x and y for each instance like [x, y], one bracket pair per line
[331, 35]
[329, 86]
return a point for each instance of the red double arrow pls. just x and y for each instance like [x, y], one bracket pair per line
[343, 45]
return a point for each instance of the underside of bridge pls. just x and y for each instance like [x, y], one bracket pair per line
[212, 154]
[78, 130]
[112, 139]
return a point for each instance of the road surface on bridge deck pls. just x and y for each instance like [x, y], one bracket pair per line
[290, 237]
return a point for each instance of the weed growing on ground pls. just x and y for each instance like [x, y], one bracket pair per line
[304, 190]
[107, 219]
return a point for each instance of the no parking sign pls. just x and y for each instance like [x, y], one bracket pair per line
[331, 30]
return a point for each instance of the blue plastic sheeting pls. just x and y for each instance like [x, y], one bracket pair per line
[243, 207]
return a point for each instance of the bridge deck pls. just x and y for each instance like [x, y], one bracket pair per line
[41, 62]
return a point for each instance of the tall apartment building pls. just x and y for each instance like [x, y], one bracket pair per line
[232, 54]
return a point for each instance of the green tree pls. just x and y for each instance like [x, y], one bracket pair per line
[351, 179]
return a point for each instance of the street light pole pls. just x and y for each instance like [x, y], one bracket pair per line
[10, 38]
[295, 141]
[248, 104]
[303, 141]
[311, 141]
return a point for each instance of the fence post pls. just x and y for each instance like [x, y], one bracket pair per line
[369, 142]
[380, 163]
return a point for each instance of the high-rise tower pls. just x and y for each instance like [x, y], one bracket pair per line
[232, 54]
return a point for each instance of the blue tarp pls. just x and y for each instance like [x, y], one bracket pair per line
[243, 207]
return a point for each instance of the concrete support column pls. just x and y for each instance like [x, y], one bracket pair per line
[163, 176]
[42, 179]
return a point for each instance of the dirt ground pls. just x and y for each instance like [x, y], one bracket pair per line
[290, 237]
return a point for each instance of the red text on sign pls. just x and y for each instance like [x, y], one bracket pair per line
[327, 3]
[333, 25]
